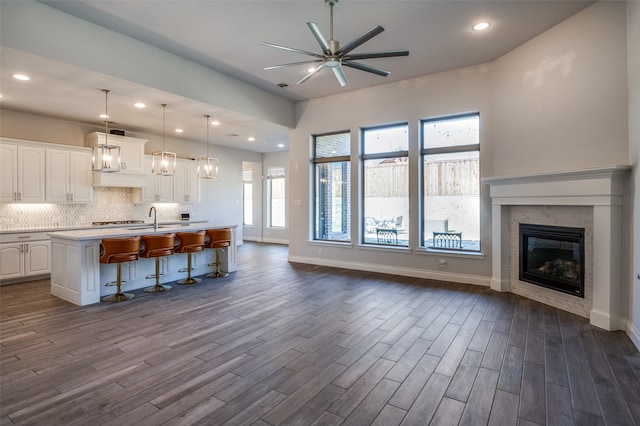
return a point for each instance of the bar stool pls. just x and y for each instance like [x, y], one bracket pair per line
[218, 239]
[190, 242]
[157, 246]
[119, 250]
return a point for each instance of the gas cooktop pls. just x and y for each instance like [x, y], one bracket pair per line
[116, 222]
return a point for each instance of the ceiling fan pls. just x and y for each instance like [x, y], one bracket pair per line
[334, 56]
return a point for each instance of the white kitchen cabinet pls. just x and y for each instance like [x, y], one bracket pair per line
[186, 183]
[24, 255]
[69, 177]
[132, 150]
[21, 173]
[158, 188]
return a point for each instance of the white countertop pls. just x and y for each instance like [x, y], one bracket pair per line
[97, 233]
[49, 228]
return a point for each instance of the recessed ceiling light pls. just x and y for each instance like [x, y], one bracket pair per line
[179, 130]
[312, 69]
[251, 139]
[103, 116]
[280, 145]
[21, 77]
[481, 26]
[139, 105]
[215, 123]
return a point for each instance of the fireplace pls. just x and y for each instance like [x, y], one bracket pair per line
[552, 257]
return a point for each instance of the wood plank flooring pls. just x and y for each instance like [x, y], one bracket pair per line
[278, 343]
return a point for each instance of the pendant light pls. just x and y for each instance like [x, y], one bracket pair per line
[105, 158]
[207, 166]
[163, 163]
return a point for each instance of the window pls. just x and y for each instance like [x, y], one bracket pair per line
[385, 185]
[332, 187]
[247, 197]
[451, 183]
[276, 196]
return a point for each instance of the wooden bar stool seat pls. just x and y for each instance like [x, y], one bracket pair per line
[190, 242]
[218, 240]
[119, 250]
[157, 246]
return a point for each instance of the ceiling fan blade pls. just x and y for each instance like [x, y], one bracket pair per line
[273, 67]
[367, 68]
[291, 49]
[342, 78]
[360, 40]
[324, 44]
[311, 74]
[358, 56]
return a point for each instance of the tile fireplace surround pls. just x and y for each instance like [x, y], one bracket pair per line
[590, 199]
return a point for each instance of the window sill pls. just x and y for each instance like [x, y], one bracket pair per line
[451, 253]
[330, 243]
[383, 247]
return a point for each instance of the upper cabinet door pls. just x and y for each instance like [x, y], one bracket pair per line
[132, 156]
[57, 182]
[8, 173]
[80, 177]
[31, 174]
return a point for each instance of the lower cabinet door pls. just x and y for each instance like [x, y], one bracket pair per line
[37, 258]
[11, 261]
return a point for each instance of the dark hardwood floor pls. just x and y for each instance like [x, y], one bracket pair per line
[279, 343]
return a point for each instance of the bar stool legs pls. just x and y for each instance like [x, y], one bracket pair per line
[119, 296]
[217, 273]
[189, 279]
[157, 288]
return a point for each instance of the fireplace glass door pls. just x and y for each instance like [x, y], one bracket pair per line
[553, 257]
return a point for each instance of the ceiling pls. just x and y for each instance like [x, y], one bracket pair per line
[225, 36]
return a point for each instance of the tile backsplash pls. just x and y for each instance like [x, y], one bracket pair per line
[109, 203]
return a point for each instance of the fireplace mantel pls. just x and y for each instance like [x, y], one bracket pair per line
[601, 188]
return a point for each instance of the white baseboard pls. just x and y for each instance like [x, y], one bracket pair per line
[275, 241]
[395, 270]
[634, 334]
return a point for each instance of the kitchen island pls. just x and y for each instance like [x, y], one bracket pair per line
[78, 276]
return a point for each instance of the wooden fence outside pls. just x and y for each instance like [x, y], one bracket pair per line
[441, 178]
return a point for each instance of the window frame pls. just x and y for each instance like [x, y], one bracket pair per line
[270, 179]
[315, 161]
[445, 150]
[379, 156]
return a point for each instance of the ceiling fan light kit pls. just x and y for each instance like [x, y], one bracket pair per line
[334, 56]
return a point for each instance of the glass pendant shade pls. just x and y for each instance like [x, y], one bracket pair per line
[208, 166]
[163, 163]
[106, 158]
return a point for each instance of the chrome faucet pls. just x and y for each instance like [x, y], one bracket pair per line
[155, 217]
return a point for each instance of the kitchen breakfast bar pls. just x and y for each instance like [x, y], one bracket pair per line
[78, 276]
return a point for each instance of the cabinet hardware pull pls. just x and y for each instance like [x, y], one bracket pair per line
[26, 247]
[25, 237]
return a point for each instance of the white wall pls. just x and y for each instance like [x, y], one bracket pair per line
[561, 98]
[558, 102]
[633, 20]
